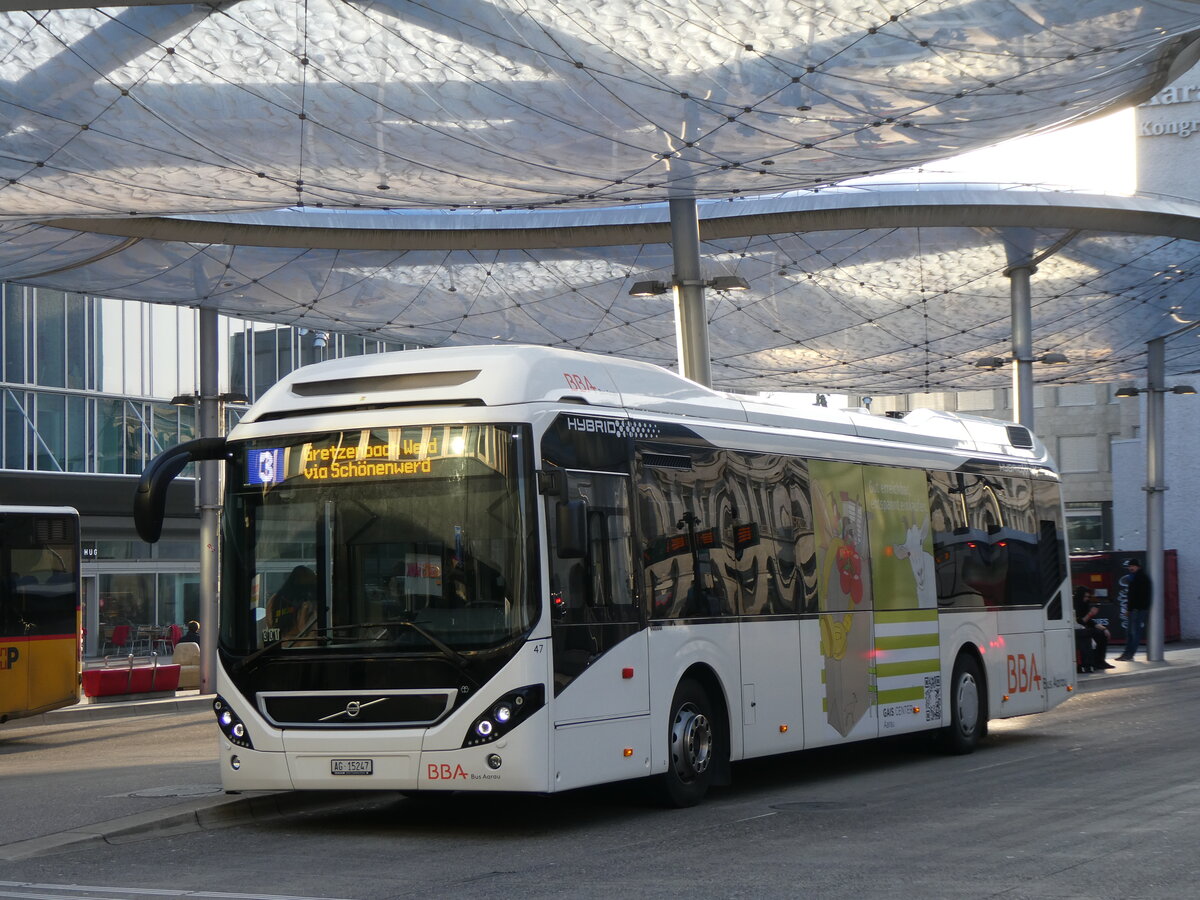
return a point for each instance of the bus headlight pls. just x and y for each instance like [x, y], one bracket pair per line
[505, 714]
[231, 726]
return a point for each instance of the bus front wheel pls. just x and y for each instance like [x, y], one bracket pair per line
[693, 746]
[968, 707]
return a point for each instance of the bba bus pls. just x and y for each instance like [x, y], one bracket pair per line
[524, 569]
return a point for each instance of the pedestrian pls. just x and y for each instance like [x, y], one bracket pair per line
[1137, 594]
[193, 633]
[1091, 636]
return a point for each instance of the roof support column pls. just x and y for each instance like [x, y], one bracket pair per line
[691, 314]
[1155, 489]
[210, 425]
[1022, 343]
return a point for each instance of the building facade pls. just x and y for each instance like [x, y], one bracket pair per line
[1181, 436]
[87, 386]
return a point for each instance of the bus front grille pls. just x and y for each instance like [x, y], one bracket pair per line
[355, 709]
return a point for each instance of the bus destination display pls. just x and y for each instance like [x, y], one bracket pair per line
[361, 455]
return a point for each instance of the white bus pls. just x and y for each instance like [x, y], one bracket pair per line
[524, 569]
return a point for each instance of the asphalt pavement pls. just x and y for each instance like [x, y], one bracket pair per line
[221, 811]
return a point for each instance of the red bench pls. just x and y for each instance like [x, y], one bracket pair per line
[130, 679]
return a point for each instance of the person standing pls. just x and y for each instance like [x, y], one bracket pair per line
[1137, 593]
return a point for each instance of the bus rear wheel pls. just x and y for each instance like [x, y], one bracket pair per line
[693, 746]
[968, 707]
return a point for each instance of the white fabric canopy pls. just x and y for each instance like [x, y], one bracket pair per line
[592, 109]
[260, 104]
[875, 291]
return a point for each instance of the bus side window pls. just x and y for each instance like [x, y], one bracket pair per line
[766, 535]
[957, 555]
[684, 499]
[1019, 537]
[1052, 544]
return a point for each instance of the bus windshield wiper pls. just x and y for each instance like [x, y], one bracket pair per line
[310, 634]
[445, 649]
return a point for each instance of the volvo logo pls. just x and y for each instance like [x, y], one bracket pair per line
[353, 708]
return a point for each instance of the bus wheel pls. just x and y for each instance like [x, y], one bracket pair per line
[968, 707]
[693, 745]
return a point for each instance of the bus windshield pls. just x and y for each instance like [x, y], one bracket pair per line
[406, 539]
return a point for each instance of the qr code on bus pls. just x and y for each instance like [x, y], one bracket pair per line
[933, 698]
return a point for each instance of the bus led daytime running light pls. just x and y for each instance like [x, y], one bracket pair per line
[505, 715]
[231, 726]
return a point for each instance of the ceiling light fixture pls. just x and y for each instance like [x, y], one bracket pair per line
[720, 283]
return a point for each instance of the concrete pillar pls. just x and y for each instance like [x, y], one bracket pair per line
[1155, 489]
[209, 425]
[691, 314]
[1022, 344]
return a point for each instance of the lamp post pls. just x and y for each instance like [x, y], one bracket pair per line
[1022, 343]
[210, 423]
[1019, 246]
[1022, 361]
[1155, 487]
[691, 319]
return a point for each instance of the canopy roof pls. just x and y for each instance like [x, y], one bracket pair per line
[117, 116]
[154, 107]
[883, 290]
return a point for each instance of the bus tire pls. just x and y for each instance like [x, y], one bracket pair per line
[693, 744]
[968, 707]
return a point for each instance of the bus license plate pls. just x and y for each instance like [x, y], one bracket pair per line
[352, 766]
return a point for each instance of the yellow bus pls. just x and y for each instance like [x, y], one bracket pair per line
[40, 651]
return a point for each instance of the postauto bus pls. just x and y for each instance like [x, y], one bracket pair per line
[525, 569]
[40, 654]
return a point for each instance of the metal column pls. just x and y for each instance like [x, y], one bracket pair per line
[1155, 488]
[691, 315]
[1022, 344]
[209, 425]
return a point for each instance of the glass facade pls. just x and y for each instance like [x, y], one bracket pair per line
[85, 390]
[74, 400]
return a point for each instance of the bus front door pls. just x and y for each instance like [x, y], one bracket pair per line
[601, 690]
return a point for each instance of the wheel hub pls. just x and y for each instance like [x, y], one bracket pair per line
[968, 705]
[691, 742]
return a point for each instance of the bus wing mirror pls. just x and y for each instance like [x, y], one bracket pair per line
[150, 501]
[571, 528]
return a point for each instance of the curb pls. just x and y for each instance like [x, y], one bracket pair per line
[1172, 662]
[121, 709]
[204, 814]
